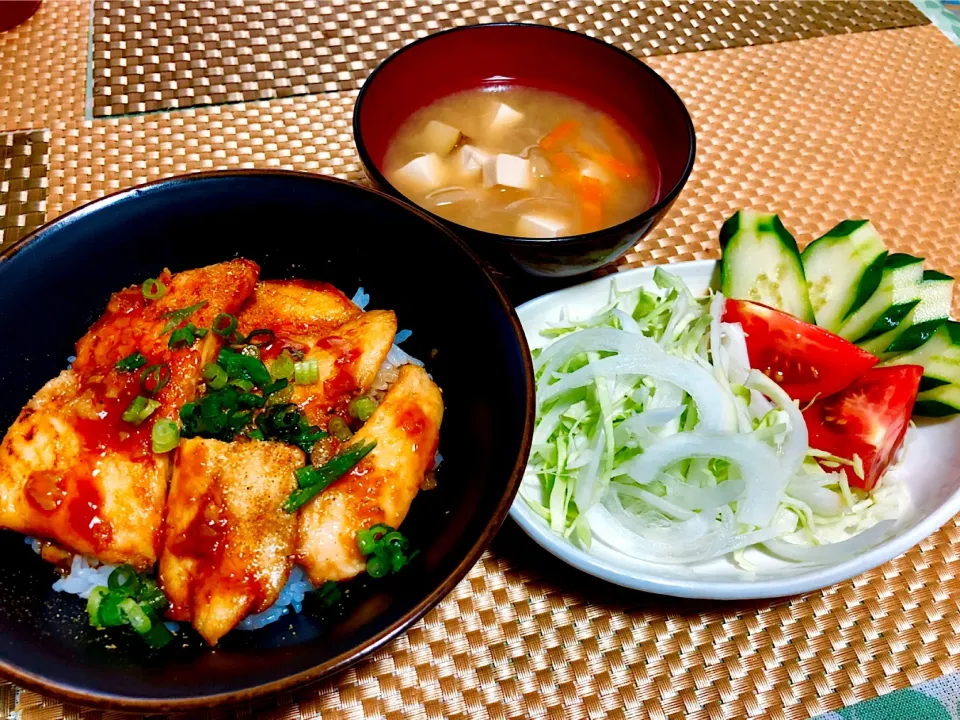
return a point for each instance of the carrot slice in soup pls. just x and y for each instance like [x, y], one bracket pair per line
[553, 139]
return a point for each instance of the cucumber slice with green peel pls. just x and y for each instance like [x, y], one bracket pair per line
[761, 263]
[928, 314]
[940, 358]
[843, 269]
[899, 285]
[939, 402]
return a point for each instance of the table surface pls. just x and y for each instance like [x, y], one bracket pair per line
[820, 111]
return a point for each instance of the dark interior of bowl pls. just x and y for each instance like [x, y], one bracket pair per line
[293, 226]
[534, 56]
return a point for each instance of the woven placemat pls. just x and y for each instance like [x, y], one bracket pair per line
[820, 130]
[159, 54]
[23, 183]
[865, 125]
[43, 67]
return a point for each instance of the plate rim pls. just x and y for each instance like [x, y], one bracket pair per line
[706, 589]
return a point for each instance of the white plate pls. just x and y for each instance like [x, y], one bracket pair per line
[930, 471]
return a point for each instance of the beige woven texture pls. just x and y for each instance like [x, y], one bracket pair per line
[154, 54]
[23, 184]
[864, 125]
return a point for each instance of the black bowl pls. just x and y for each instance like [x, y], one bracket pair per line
[589, 70]
[54, 284]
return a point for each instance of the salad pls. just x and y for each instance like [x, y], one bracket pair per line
[678, 429]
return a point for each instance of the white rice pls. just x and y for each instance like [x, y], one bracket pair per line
[360, 298]
[291, 597]
[83, 577]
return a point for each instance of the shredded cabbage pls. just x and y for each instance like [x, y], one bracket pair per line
[655, 438]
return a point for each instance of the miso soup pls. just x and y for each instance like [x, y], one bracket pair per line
[521, 162]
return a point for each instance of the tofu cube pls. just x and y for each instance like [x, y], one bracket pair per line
[541, 226]
[509, 171]
[504, 116]
[470, 161]
[590, 169]
[421, 174]
[439, 138]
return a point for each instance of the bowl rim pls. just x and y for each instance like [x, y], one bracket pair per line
[88, 698]
[620, 228]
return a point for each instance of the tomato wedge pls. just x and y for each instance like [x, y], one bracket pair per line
[868, 419]
[805, 360]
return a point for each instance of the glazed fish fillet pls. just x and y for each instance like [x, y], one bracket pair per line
[297, 310]
[406, 427]
[229, 547]
[309, 318]
[72, 471]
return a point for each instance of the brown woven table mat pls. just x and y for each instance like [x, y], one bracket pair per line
[160, 54]
[861, 125]
[23, 183]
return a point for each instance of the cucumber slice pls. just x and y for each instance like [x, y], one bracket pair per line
[940, 358]
[883, 310]
[843, 268]
[936, 295]
[927, 314]
[938, 402]
[761, 262]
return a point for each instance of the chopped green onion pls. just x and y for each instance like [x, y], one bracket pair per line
[151, 596]
[153, 289]
[378, 566]
[250, 400]
[139, 410]
[385, 550]
[318, 479]
[175, 317]
[165, 436]
[243, 366]
[244, 385]
[154, 378]
[110, 614]
[224, 324]
[307, 476]
[255, 434]
[158, 636]
[339, 429]
[278, 397]
[214, 376]
[133, 361]
[276, 386]
[306, 372]
[367, 539]
[283, 367]
[330, 593]
[130, 599]
[124, 578]
[362, 408]
[93, 604]
[185, 337]
[135, 616]
[261, 337]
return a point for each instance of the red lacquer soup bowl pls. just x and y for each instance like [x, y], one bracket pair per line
[581, 67]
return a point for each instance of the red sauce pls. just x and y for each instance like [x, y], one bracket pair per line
[205, 537]
[83, 510]
[412, 420]
[343, 381]
[45, 492]
[272, 351]
[107, 430]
